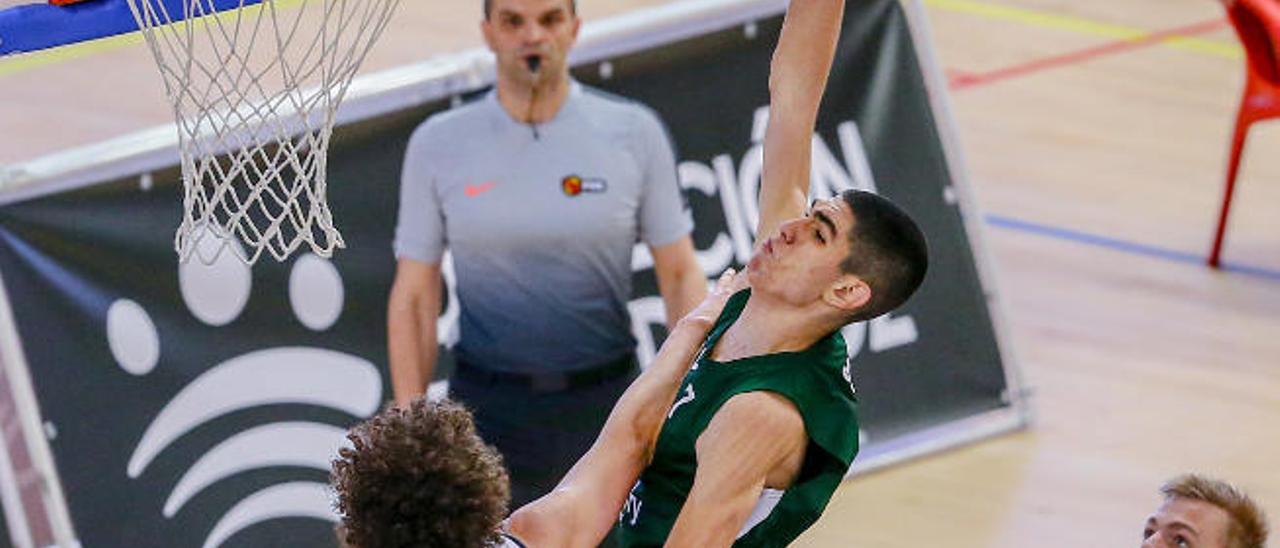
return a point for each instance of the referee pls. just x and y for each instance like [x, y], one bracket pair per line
[540, 190]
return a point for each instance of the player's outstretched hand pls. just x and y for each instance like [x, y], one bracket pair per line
[705, 314]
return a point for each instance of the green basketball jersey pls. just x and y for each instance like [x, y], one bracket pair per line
[816, 380]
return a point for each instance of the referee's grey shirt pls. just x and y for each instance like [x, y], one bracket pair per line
[541, 228]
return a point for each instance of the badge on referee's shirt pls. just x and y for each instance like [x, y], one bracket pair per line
[574, 185]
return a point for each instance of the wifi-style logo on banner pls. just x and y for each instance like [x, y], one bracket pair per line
[216, 294]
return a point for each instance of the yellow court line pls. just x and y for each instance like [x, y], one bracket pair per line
[1208, 47]
[30, 61]
[1080, 25]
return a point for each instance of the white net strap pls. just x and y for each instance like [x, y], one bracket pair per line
[255, 87]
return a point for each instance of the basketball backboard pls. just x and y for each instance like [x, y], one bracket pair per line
[33, 25]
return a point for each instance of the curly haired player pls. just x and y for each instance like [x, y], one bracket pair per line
[420, 476]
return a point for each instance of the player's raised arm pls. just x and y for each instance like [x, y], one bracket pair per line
[797, 77]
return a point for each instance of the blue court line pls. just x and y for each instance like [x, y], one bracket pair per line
[1134, 248]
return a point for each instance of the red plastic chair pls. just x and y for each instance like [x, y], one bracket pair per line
[1257, 22]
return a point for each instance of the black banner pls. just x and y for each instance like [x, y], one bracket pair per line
[199, 404]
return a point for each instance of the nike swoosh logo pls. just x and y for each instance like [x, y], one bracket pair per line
[475, 190]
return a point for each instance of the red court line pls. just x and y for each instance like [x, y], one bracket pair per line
[954, 75]
[959, 80]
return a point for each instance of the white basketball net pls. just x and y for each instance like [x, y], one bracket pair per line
[255, 87]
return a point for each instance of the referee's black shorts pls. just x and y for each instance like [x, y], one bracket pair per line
[540, 424]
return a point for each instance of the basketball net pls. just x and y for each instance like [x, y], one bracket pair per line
[255, 86]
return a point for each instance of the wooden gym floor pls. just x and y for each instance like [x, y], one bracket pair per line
[1096, 136]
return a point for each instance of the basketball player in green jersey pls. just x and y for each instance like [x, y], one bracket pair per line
[764, 425]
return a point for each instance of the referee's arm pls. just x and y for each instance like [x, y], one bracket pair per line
[413, 309]
[680, 278]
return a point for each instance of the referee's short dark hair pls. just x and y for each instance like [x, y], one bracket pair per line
[887, 250]
[488, 4]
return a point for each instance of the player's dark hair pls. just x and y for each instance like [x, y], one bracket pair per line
[886, 250]
[419, 476]
[488, 5]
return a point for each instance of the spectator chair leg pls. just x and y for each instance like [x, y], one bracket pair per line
[1233, 168]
